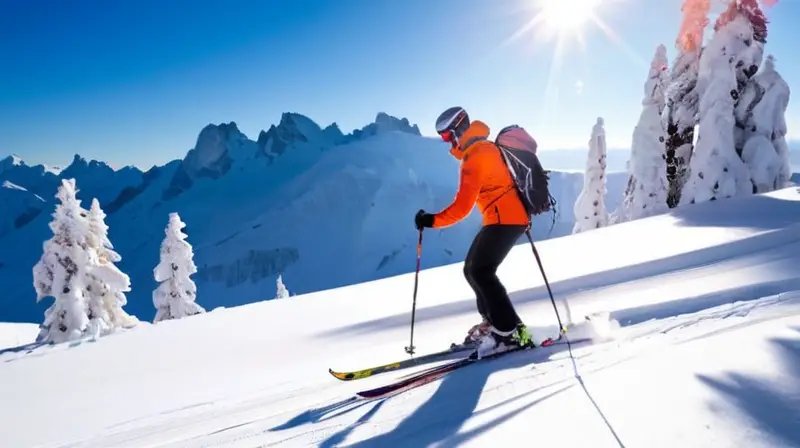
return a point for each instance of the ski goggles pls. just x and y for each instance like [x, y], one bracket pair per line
[447, 136]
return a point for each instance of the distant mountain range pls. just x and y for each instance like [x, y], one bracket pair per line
[320, 207]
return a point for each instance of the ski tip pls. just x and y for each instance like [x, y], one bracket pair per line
[344, 376]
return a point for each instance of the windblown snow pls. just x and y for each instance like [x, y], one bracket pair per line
[696, 343]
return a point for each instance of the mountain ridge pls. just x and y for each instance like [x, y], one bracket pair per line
[326, 210]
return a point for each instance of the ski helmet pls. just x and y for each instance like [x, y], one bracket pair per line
[452, 123]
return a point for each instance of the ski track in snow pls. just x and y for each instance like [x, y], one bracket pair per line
[707, 354]
[515, 382]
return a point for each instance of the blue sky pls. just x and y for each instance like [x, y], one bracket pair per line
[132, 83]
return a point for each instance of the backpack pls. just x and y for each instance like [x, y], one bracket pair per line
[531, 180]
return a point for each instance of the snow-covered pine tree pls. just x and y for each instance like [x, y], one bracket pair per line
[760, 109]
[656, 85]
[716, 171]
[765, 151]
[106, 285]
[590, 209]
[648, 186]
[175, 296]
[282, 293]
[745, 26]
[60, 272]
[680, 113]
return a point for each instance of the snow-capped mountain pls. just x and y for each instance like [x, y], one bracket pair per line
[99, 179]
[321, 208]
[96, 179]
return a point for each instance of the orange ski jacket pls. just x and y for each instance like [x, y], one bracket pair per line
[485, 181]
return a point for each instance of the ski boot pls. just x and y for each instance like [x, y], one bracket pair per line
[497, 342]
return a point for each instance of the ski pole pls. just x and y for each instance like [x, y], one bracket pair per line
[410, 348]
[546, 283]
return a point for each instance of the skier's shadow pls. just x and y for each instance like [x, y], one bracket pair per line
[452, 404]
[318, 415]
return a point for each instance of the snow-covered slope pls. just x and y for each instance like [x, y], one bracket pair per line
[321, 208]
[18, 206]
[13, 335]
[705, 351]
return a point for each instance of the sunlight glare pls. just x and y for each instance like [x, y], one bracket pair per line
[564, 21]
[566, 16]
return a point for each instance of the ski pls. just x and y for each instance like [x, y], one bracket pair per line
[434, 373]
[455, 350]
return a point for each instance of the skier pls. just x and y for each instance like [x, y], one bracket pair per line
[485, 180]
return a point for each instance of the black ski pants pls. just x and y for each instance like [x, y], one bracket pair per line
[489, 248]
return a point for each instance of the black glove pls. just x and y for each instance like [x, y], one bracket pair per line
[423, 219]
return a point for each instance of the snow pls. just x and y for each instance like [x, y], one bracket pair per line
[704, 340]
[14, 334]
[742, 45]
[106, 285]
[13, 186]
[282, 292]
[656, 85]
[17, 206]
[590, 208]
[10, 162]
[763, 162]
[766, 126]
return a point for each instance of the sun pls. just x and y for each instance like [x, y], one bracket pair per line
[566, 16]
[562, 20]
[564, 23]
[567, 21]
